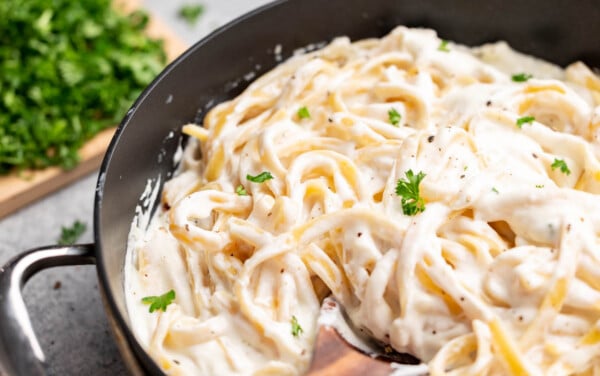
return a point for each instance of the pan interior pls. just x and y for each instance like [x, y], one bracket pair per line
[214, 69]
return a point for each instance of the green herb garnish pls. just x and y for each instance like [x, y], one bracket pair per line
[69, 70]
[394, 116]
[412, 203]
[521, 77]
[191, 12]
[159, 302]
[525, 120]
[539, 185]
[303, 113]
[241, 191]
[444, 46]
[260, 178]
[69, 235]
[495, 190]
[560, 163]
[296, 328]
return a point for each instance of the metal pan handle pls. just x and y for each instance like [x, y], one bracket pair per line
[20, 351]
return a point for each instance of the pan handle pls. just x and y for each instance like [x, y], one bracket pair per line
[20, 351]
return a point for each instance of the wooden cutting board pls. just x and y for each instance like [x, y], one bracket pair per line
[20, 189]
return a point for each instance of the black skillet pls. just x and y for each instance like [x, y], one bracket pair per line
[213, 70]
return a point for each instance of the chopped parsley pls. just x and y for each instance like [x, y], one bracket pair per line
[191, 12]
[241, 191]
[539, 185]
[69, 70]
[159, 302]
[296, 328]
[560, 163]
[495, 190]
[412, 203]
[444, 46]
[69, 235]
[394, 116]
[521, 77]
[303, 113]
[260, 178]
[525, 120]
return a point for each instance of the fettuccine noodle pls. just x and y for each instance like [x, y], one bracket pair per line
[499, 274]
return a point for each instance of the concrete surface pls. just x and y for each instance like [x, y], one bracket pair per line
[64, 303]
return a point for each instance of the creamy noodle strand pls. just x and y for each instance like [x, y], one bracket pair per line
[500, 274]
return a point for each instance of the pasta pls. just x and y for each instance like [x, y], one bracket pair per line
[290, 193]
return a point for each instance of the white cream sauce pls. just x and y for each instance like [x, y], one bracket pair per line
[498, 275]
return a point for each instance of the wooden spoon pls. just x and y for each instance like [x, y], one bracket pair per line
[349, 354]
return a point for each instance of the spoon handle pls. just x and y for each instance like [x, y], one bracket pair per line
[334, 356]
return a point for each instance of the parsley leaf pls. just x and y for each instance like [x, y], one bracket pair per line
[303, 113]
[539, 185]
[241, 191]
[444, 46]
[521, 77]
[69, 70]
[394, 116]
[495, 190]
[296, 328]
[412, 203]
[69, 235]
[191, 12]
[159, 302]
[560, 163]
[260, 178]
[524, 120]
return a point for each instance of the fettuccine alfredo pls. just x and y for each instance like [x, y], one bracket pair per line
[446, 196]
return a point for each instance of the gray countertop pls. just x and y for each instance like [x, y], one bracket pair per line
[64, 303]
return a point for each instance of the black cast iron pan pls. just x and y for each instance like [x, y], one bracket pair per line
[212, 71]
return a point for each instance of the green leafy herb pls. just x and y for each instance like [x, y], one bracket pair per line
[69, 235]
[296, 328]
[444, 46]
[191, 12]
[159, 302]
[539, 185]
[412, 203]
[260, 178]
[303, 113]
[525, 120]
[241, 191]
[495, 190]
[521, 77]
[69, 70]
[560, 163]
[394, 116]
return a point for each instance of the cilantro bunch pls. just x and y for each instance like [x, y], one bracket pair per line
[69, 70]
